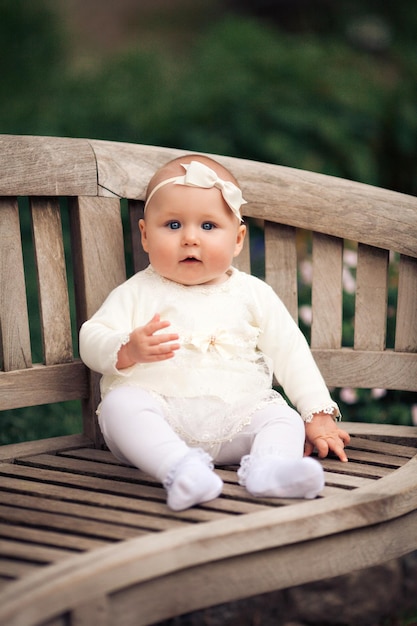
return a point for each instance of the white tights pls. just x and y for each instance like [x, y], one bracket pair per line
[136, 431]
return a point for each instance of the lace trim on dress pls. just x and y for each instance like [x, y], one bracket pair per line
[331, 409]
[206, 422]
[123, 340]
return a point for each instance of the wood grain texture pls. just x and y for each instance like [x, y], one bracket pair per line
[263, 541]
[366, 370]
[46, 166]
[371, 298]
[406, 326]
[327, 293]
[52, 445]
[281, 264]
[99, 266]
[124, 170]
[52, 281]
[43, 385]
[15, 349]
[98, 251]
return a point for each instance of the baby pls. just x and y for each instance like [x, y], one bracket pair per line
[188, 347]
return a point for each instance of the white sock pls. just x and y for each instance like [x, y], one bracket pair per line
[192, 481]
[275, 477]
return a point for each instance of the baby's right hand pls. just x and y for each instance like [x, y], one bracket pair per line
[146, 347]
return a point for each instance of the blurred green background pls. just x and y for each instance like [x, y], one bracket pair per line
[313, 84]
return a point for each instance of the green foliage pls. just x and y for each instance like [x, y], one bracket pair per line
[32, 66]
[32, 423]
[125, 100]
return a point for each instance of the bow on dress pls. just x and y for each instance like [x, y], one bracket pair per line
[226, 344]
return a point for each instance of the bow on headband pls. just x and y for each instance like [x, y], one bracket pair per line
[199, 175]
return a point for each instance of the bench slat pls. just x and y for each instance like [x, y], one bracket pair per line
[14, 323]
[43, 384]
[52, 280]
[371, 298]
[327, 295]
[39, 554]
[99, 266]
[16, 569]
[363, 369]
[97, 239]
[360, 443]
[47, 519]
[39, 536]
[406, 326]
[281, 264]
[86, 505]
[130, 482]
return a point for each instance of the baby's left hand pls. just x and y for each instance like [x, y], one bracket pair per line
[324, 434]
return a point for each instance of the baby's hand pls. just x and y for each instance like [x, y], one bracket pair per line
[144, 346]
[324, 434]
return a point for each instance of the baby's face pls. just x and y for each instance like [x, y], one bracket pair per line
[191, 235]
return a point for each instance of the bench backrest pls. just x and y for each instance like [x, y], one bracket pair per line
[97, 189]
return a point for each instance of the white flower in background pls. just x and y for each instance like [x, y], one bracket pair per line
[350, 258]
[306, 272]
[378, 393]
[414, 414]
[349, 395]
[349, 283]
[306, 314]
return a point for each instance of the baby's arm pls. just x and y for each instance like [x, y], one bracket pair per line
[324, 434]
[144, 346]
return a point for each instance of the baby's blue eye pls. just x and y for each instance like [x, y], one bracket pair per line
[174, 225]
[207, 226]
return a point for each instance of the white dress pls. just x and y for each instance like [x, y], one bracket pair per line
[234, 337]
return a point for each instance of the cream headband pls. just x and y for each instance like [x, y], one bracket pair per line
[199, 175]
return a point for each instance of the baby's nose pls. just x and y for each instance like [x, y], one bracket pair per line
[190, 236]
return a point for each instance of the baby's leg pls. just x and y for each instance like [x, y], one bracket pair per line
[136, 432]
[275, 466]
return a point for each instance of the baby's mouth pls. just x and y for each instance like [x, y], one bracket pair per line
[190, 259]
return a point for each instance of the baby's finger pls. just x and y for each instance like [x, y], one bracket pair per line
[337, 446]
[155, 324]
[344, 436]
[162, 340]
[162, 355]
[163, 348]
[322, 447]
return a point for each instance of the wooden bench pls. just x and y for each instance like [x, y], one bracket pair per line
[86, 540]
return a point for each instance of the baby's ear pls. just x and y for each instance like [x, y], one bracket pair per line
[144, 238]
[240, 238]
